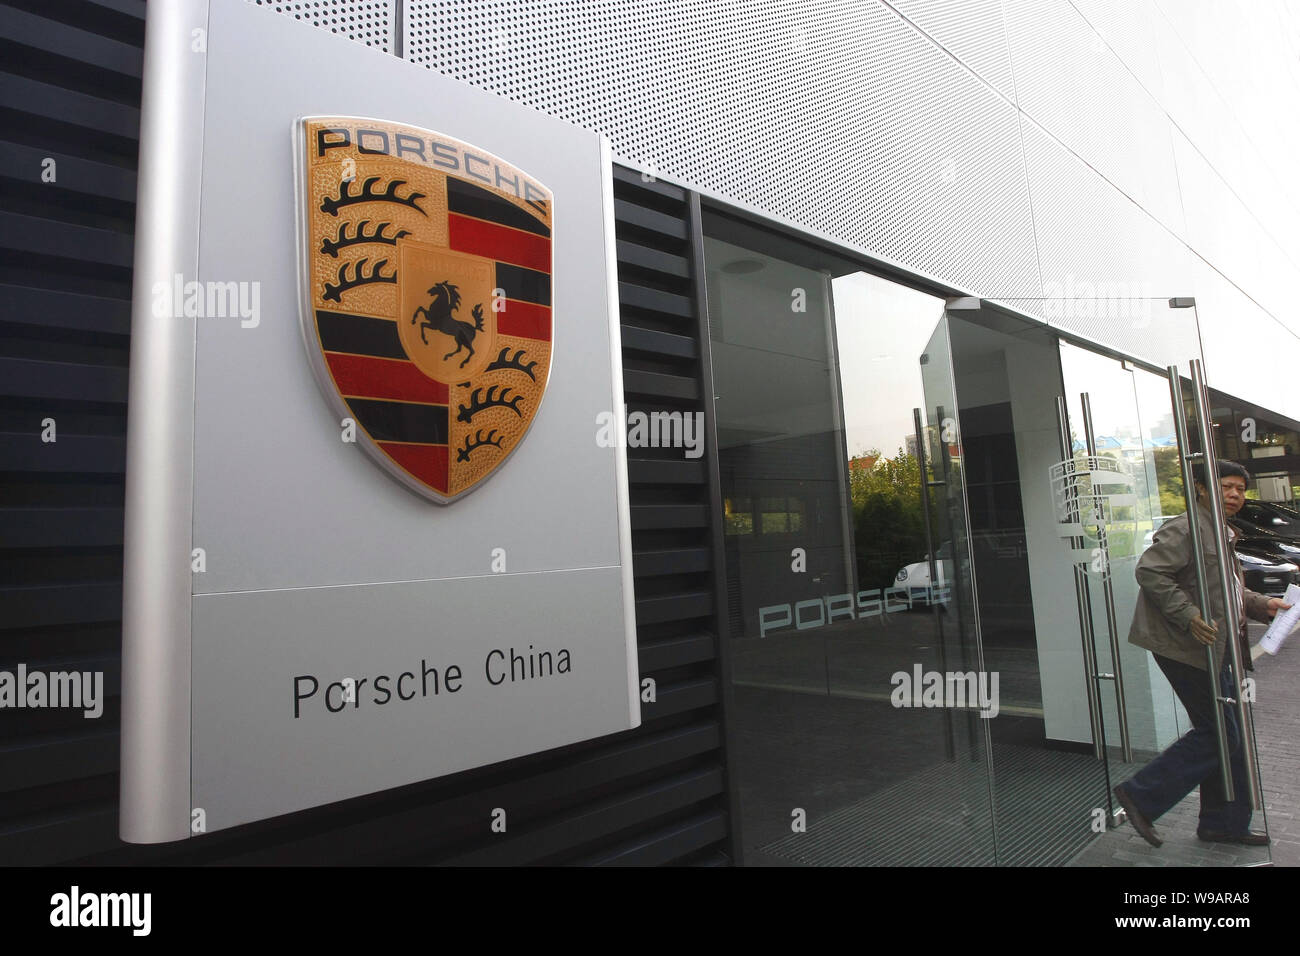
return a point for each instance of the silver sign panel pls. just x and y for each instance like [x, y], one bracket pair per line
[348, 569]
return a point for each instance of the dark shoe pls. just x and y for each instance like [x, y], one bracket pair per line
[1140, 823]
[1249, 838]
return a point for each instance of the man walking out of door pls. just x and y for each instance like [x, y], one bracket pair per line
[1168, 623]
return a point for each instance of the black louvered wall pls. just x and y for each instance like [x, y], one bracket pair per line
[69, 90]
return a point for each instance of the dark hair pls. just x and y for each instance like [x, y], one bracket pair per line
[1226, 468]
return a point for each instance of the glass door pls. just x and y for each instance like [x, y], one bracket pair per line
[958, 648]
[1047, 776]
[1124, 475]
[1071, 462]
[1127, 458]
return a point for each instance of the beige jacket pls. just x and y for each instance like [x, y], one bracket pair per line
[1168, 601]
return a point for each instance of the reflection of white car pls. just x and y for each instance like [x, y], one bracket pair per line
[1150, 536]
[915, 579]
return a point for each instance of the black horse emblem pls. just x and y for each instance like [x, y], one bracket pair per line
[438, 315]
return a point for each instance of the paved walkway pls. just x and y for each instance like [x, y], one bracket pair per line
[1277, 729]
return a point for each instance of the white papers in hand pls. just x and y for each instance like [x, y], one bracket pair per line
[1284, 623]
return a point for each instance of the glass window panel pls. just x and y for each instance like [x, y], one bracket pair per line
[817, 372]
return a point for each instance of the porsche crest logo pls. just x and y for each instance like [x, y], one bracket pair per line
[427, 275]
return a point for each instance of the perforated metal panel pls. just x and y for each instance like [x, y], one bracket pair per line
[971, 30]
[837, 115]
[372, 22]
[1240, 208]
[1071, 82]
[861, 119]
[1265, 182]
[1223, 232]
[1128, 27]
[1243, 48]
[1091, 237]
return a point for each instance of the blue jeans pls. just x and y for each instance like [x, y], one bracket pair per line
[1193, 759]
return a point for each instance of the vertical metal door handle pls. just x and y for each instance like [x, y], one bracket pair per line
[1108, 593]
[949, 737]
[1084, 600]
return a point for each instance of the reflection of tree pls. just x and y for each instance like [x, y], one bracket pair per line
[888, 526]
[1169, 481]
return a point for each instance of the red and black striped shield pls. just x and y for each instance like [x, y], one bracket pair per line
[427, 286]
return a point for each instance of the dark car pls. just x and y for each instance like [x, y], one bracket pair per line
[1268, 558]
[1261, 539]
[1264, 570]
[1271, 517]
